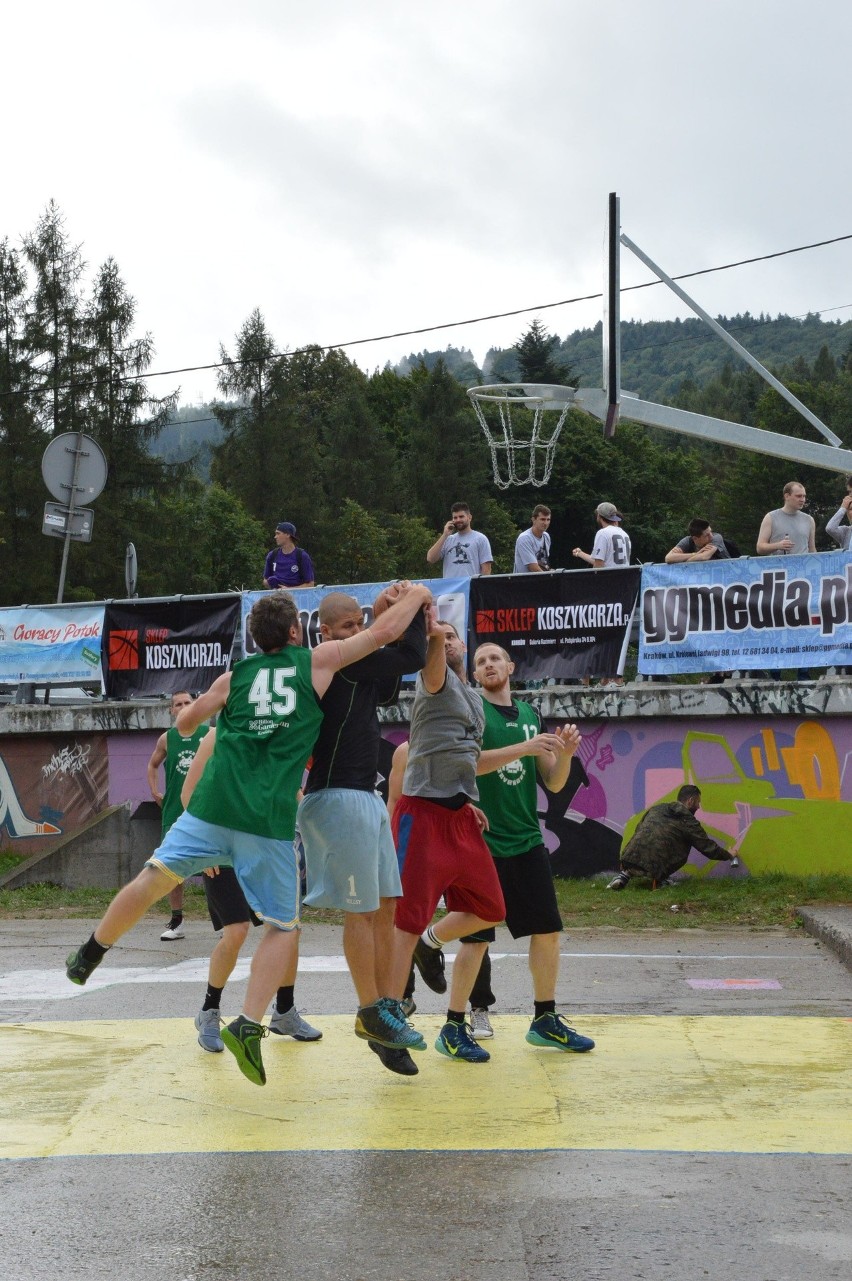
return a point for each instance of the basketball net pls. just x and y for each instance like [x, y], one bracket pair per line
[522, 427]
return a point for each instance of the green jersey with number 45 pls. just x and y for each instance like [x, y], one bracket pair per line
[264, 736]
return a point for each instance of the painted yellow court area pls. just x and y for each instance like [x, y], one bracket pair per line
[768, 1084]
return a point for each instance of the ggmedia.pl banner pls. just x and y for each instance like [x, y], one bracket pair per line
[753, 612]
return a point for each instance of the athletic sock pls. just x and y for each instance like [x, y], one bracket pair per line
[455, 1016]
[177, 919]
[213, 999]
[428, 937]
[92, 950]
[544, 1007]
[284, 1000]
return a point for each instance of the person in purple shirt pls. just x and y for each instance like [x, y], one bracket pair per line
[287, 566]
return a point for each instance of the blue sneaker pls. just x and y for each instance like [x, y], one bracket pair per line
[381, 1022]
[552, 1030]
[455, 1041]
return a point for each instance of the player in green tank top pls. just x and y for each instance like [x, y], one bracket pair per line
[270, 714]
[175, 753]
[515, 754]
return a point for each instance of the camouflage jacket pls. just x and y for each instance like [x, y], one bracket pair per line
[663, 839]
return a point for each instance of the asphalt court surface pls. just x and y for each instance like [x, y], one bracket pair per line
[721, 1078]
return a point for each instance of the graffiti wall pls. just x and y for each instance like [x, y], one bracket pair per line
[51, 785]
[780, 788]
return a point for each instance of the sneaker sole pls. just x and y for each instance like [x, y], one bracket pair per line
[212, 1049]
[402, 1064]
[250, 1071]
[457, 1058]
[547, 1043]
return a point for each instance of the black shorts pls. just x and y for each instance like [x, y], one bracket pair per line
[226, 902]
[527, 883]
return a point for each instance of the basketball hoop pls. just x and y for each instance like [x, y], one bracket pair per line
[522, 434]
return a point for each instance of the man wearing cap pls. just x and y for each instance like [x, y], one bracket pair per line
[287, 566]
[611, 549]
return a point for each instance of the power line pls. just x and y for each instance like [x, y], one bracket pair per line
[428, 329]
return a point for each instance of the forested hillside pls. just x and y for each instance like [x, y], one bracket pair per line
[365, 465]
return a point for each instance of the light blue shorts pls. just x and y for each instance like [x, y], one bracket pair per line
[268, 870]
[349, 851]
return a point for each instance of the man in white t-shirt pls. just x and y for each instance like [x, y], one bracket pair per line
[532, 547]
[611, 549]
[464, 551]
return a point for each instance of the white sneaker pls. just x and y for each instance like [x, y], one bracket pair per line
[480, 1025]
[172, 932]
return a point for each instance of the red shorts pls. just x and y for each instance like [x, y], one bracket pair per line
[441, 851]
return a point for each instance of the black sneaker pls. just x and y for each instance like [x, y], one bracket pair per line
[243, 1038]
[430, 963]
[78, 969]
[399, 1061]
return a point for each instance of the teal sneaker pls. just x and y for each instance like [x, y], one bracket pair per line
[243, 1038]
[455, 1041]
[552, 1030]
[78, 969]
[381, 1022]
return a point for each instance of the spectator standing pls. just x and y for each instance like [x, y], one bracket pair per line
[840, 533]
[662, 841]
[700, 544]
[532, 547]
[288, 565]
[788, 531]
[611, 548]
[464, 551]
[175, 752]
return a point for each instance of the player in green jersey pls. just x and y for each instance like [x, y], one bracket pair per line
[515, 754]
[242, 813]
[175, 753]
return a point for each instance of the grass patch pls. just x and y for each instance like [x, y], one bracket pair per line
[759, 902]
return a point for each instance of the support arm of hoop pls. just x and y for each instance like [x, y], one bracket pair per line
[593, 400]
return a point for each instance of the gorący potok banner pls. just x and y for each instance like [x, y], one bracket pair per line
[51, 643]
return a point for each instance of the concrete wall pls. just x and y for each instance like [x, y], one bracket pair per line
[774, 762]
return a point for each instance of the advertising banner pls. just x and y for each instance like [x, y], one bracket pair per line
[60, 643]
[756, 612]
[451, 597]
[153, 649]
[564, 625]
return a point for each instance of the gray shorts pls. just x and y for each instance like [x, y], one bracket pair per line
[349, 851]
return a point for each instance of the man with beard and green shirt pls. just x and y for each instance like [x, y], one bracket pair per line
[515, 753]
[242, 813]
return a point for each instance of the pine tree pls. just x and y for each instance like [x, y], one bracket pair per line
[538, 361]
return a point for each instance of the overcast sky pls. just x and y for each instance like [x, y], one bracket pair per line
[358, 167]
